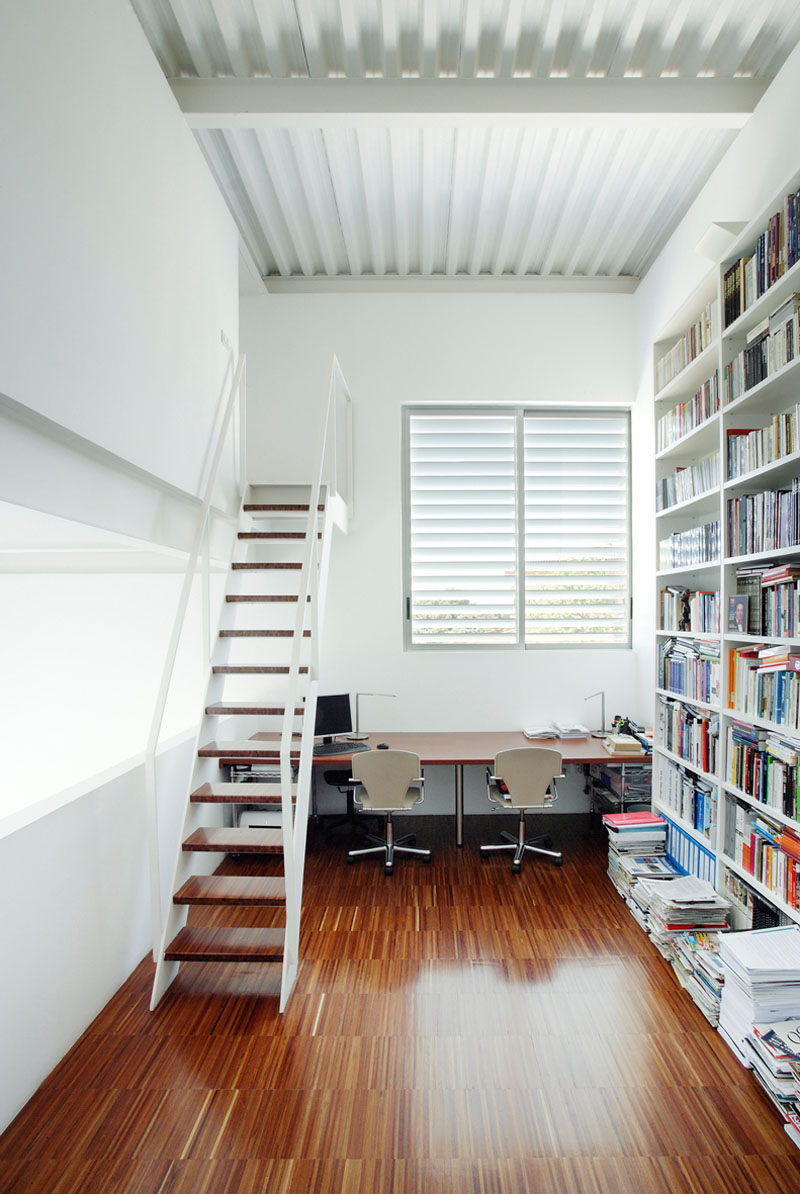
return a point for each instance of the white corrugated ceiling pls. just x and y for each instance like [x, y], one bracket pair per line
[419, 197]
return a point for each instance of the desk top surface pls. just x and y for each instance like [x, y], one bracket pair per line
[453, 748]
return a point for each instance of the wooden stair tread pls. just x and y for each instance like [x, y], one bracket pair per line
[236, 841]
[261, 890]
[253, 669]
[203, 943]
[243, 748]
[235, 707]
[279, 507]
[263, 597]
[247, 566]
[262, 634]
[274, 535]
[226, 793]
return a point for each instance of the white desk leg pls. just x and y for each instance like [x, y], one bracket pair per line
[459, 804]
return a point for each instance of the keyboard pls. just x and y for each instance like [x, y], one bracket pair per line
[339, 748]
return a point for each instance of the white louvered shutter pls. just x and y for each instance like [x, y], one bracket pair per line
[462, 529]
[576, 529]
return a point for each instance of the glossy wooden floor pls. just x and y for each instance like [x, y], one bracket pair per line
[453, 1028]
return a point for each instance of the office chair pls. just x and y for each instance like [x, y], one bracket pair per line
[382, 780]
[524, 778]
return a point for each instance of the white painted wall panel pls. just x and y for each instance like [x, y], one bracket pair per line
[449, 348]
[119, 256]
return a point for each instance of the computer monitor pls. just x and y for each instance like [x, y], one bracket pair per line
[333, 716]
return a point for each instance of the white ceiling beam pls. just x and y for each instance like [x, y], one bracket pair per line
[451, 283]
[481, 103]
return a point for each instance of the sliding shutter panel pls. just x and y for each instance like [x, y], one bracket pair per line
[462, 526]
[576, 529]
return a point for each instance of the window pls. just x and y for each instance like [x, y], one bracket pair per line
[496, 495]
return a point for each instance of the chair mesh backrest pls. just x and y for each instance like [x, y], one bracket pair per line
[527, 772]
[386, 775]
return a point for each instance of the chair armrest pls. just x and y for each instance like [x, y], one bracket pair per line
[553, 787]
[496, 789]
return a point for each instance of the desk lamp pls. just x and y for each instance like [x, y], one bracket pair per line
[601, 733]
[356, 736]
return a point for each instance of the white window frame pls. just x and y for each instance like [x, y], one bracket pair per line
[518, 413]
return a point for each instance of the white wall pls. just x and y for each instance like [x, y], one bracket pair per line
[119, 257]
[397, 349]
[74, 887]
[82, 670]
[119, 274]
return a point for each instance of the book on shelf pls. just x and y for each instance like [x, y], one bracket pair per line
[775, 251]
[688, 416]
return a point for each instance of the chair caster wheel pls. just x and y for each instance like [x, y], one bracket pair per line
[428, 858]
[559, 862]
[350, 860]
[516, 867]
[388, 870]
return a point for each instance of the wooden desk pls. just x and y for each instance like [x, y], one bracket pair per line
[436, 749]
[460, 749]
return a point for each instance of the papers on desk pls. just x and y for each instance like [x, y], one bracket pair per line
[557, 729]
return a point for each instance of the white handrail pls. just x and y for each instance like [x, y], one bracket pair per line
[334, 472]
[235, 398]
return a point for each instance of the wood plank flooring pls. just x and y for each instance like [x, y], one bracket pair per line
[454, 1028]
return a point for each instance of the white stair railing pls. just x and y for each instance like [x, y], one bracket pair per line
[333, 477]
[234, 403]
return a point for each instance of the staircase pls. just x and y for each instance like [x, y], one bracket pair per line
[260, 707]
[259, 699]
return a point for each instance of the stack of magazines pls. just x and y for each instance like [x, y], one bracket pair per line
[694, 957]
[687, 905]
[773, 1050]
[762, 981]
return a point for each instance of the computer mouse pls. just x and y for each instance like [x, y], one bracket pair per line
[383, 746]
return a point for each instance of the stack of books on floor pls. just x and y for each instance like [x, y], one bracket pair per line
[627, 870]
[687, 905]
[695, 959]
[636, 833]
[636, 848]
[773, 1050]
[762, 982]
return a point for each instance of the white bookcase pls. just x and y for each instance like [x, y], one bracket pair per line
[689, 430]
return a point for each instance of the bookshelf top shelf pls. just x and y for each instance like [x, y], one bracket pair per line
[771, 395]
[754, 639]
[688, 570]
[759, 888]
[703, 503]
[695, 770]
[690, 379]
[767, 809]
[689, 829]
[698, 442]
[689, 700]
[759, 557]
[777, 472]
[765, 304]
